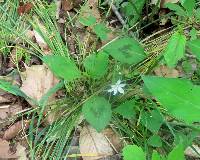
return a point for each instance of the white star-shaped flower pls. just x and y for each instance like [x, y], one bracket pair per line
[118, 87]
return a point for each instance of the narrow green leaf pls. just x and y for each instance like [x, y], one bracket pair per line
[127, 109]
[155, 141]
[177, 153]
[97, 111]
[101, 31]
[51, 91]
[194, 46]
[8, 87]
[62, 67]
[175, 49]
[176, 8]
[133, 152]
[152, 120]
[179, 96]
[126, 50]
[87, 20]
[96, 65]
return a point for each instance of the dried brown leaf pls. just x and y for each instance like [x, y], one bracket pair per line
[21, 152]
[15, 129]
[6, 97]
[67, 5]
[9, 110]
[37, 80]
[4, 100]
[5, 152]
[114, 139]
[93, 145]
[24, 8]
[58, 7]
[165, 71]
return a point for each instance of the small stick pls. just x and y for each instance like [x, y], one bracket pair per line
[116, 12]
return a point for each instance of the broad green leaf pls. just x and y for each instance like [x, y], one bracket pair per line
[97, 111]
[193, 34]
[155, 141]
[101, 31]
[152, 120]
[187, 67]
[175, 49]
[132, 10]
[126, 50]
[176, 8]
[177, 153]
[179, 96]
[138, 6]
[87, 20]
[185, 140]
[194, 46]
[8, 87]
[127, 109]
[127, 9]
[188, 5]
[156, 156]
[62, 67]
[133, 152]
[96, 65]
[197, 14]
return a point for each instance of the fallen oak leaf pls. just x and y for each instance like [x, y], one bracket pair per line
[21, 152]
[114, 139]
[93, 145]
[37, 80]
[5, 152]
[14, 130]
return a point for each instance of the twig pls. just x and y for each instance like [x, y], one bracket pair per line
[116, 12]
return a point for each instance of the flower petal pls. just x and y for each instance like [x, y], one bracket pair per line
[110, 90]
[113, 86]
[118, 82]
[122, 85]
[120, 90]
[115, 92]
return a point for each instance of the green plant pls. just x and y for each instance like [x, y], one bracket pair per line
[111, 78]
